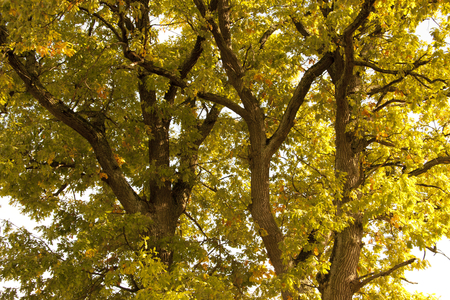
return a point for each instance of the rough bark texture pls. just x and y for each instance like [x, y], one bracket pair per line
[340, 282]
[163, 210]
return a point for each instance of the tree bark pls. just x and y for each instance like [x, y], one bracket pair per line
[163, 210]
[340, 282]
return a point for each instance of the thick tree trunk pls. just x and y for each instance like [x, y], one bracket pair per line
[340, 282]
[162, 207]
[342, 277]
[260, 207]
[262, 214]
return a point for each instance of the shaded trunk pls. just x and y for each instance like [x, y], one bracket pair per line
[260, 207]
[262, 214]
[163, 209]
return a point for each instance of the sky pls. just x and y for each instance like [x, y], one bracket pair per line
[435, 279]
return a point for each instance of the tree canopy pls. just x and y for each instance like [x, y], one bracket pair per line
[222, 149]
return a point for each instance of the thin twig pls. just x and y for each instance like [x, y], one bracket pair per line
[195, 222]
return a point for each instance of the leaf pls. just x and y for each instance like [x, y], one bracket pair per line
[222, 137]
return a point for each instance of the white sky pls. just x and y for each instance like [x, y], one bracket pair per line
[433, 280]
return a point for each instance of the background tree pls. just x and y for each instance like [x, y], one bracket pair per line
[329, 161]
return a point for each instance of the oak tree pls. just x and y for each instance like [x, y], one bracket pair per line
[225, 149]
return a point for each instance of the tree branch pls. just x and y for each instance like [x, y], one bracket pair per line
[133, 290]
[224, 21]
[375, 67]
[185, 68]
[136, 59]
[359, 284]
[386, 88]
[387, 103]
[225, 102]
[300, 28]
[431, 186]
[193, 57]
[266, 35]
[435, 250]
[150, 67]
[208, 124]
[229, 58]
[367, 7]
[106, 23]
[444, 160]
[297, 99]
[96, 138]
[196, 223]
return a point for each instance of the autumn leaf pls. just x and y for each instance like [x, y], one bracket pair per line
[244, 141]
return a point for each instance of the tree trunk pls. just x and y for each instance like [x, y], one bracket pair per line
[163, 209]
[262, 214]
[260, 207]
[340, 282]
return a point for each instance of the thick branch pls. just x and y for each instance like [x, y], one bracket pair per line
[296, 101]
[300, 28]
[349, 62]
[116, 179]
[360, 284]
[445, 160]
[208, 124]
[185, 68]
[305, 254]
[224, 21]
[347, 78]
[190, 62]
[225, 102]
[266, 35]
[229, 58]
[367, 7]
[201, 7]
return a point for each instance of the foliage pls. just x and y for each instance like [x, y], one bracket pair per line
[230, 149]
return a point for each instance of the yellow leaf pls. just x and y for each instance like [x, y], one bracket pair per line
[119, 159]
[258, 77]
[316, 251]
[50, 158]
[90, 253]
[263, 232]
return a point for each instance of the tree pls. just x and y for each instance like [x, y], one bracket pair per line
[217, 139]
